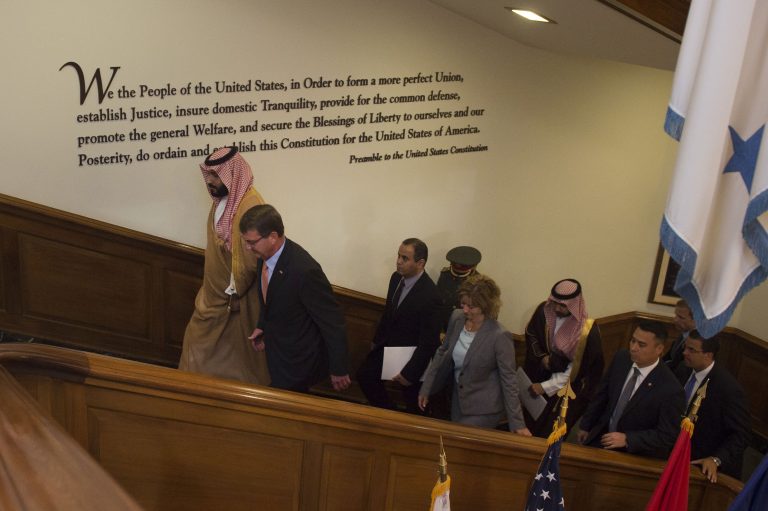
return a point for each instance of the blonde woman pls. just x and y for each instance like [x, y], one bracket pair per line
[478, 355]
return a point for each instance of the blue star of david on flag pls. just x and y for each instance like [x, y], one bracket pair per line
[744, 159]
[546, 493]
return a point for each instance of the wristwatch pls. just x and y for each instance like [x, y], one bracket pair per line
[717, 460]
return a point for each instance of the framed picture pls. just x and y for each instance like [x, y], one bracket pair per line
[663, 283]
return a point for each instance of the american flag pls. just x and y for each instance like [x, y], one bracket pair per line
[546, 494]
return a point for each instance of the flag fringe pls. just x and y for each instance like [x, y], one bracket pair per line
[440, 488]
[754, 233]
[686, 288]
[558, 432]
[673, 124]
[687, 426]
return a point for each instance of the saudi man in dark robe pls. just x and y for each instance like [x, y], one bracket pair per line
[562, 343]
[227, 305]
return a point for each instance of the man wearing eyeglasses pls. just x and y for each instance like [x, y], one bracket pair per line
[301, 328]
[722, 430]
[227, 304]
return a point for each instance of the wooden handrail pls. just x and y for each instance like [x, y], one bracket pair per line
[42, 467]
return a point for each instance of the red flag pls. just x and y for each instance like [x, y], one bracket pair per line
[671, 494]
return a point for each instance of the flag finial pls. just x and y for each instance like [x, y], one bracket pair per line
[559, 427]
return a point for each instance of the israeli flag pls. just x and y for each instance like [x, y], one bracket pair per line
[715, 221]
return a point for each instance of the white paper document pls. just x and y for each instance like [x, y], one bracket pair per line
[395, 358]
[534, 405]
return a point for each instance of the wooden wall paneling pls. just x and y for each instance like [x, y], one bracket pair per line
[9, 273]
[157, 306]
[380, 475]
[176, 440]
[751, 373]
[346, 478]
[520, 349]
[714, 498]
[3, 271]
[479, 486]
[121, 266]
[179, 292]
[615, 331]
[619, 488]
[746, 357]
[362, 313]
[66, 284]
[310, 474]
[174, 464]
[610, 497]
[573, 491]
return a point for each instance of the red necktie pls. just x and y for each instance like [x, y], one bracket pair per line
[264, 281]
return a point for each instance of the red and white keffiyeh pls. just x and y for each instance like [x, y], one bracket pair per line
[235, 173]
[566, 292]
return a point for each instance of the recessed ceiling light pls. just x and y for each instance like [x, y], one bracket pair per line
[530, 15]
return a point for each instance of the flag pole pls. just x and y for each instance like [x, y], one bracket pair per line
[443, 466]
[690, 420]
[440, 497]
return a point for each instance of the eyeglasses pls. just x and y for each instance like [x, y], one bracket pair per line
[252, 243]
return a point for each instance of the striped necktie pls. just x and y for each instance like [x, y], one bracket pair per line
[690, 386]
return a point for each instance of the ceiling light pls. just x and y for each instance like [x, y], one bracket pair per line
[530, 15]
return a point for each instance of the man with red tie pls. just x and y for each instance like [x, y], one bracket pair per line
[301, 327]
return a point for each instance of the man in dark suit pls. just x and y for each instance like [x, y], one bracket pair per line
[722, 429]
[684, 323]
[639, 403]
[301, 326]
[411, 318]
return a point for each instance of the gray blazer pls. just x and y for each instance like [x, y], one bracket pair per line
[488, 381]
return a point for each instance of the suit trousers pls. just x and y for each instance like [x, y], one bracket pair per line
[369, 379]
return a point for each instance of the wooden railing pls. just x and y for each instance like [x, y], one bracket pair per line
[176, 440]
[86, 284]
[42, 467]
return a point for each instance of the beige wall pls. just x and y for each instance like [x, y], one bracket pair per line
[574, 182]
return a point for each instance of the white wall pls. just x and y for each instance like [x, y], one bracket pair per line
[573, 184]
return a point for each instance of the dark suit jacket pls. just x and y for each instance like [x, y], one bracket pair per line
[303, 324]
[723, 426]
[415, 323]
[651, 419]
